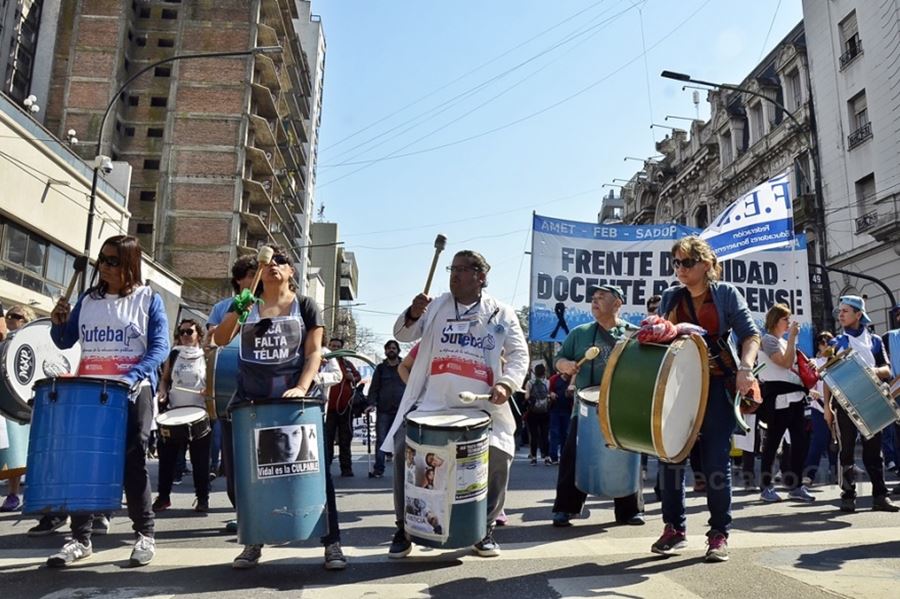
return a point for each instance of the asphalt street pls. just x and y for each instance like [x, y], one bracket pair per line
[777, 550]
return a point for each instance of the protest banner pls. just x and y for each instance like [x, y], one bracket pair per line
[569, 257]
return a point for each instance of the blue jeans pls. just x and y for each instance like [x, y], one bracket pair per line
[819, 443]
[559, 427]
[382, 425]
[215, 448]
[714, 448]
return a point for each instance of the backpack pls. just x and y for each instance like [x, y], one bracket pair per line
[540, 397]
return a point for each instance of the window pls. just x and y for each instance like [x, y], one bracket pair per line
[148, 196]
[144, 229]
[144, 12]
[794, 90]
[133, 100]
[165, 42]
[169, 14]
[757, 122]
[29, 260]
[851, 45]
[725, 148]
[154, 132]
[865, 203]
[151, 164]
[141, 41]
[162, 72]
[858, 113]
[158, 101]
[129, 131]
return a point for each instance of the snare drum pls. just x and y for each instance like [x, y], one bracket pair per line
[601, 470]
[866, 399]
[221, 374]
[28, 355]
[445, 490]
[653, 397]
[183, 425]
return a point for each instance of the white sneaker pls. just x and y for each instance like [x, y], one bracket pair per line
[71, 552]
[807, 481]
[143, 552]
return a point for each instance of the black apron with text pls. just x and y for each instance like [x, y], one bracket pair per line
[271, 357]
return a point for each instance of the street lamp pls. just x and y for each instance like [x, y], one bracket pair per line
[104, 163]
[645, 160]
[813, 152]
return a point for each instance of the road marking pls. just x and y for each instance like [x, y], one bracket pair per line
[590, 547]
[621, 585]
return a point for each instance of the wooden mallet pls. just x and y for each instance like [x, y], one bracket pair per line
[79, 266]
[440, 242]
[263, 258]
[591, 353]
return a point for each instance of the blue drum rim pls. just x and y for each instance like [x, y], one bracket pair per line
[72, 380]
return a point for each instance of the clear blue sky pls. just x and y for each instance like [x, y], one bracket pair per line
[408, 76]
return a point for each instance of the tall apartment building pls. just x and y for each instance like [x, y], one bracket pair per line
[338, 271]
[222, 149]
[27, 36]
[854, 56]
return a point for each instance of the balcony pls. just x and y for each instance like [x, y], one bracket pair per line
[261, 131]
[266, 35]
[854, 49]
[256, 193]
[882, 221]
[255, 222]
[267, 73]
[261, 162]
[265, 102]
[859, 136]
[804, 210]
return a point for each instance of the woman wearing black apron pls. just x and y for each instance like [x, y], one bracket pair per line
[294, 324]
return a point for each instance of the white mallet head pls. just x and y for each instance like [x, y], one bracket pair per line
[592, 352]
[265, 255]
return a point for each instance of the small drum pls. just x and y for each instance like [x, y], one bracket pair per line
[866, 399]
[221, 374]
[183, 425]
[653, 397]
[445, 491]
[13, 448]
[76, 451]
[601, 470]
[28, 355]
[279, 470]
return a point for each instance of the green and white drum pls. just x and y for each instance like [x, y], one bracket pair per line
[653, 396]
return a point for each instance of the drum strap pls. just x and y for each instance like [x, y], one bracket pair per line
[607, 339]
[715, 344]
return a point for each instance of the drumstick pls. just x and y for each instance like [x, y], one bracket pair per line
[263, 258]
[78, 267]
[440, 242]
[469, 397]
[591, 353]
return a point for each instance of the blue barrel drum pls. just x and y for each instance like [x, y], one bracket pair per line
[601, 470]
[446, 474]
[279, 471]
[76, 451]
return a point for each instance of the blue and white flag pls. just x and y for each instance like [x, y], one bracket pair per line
[761, 219]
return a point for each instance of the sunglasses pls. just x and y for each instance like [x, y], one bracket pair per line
[184, 332]
[14, 317]
[280, 260]
[686, 263]
[111, 261]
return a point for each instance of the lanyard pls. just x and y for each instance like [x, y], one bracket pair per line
[468, 311]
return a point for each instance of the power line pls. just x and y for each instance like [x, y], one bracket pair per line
[463, 76]
[367, 163]
[762, 52]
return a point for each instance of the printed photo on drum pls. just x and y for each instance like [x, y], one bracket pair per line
[427, 467]
[286, 450]
[426, 514]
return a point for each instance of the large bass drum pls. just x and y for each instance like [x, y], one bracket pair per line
[26, 356]
[653, 396]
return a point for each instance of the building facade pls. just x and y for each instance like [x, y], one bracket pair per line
[337, 270]
[751, 136]
[854, 56]
[222, 147]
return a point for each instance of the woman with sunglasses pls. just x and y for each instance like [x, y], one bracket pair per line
[721, 310]
[118, 299]
[16, 318]
[183, 384]
[293, 324]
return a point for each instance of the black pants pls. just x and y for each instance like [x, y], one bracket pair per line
[137, 480]
[871, 454]
[539, 433]
[570, 499]
[793, 420]
[340, 425]
[170, 450]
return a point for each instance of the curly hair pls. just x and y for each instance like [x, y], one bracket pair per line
[698, 249]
